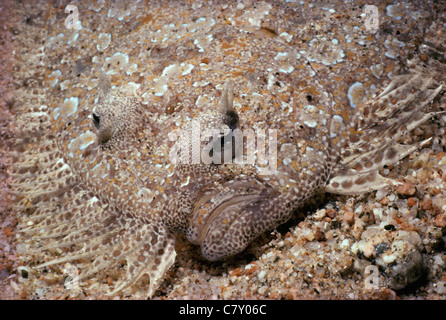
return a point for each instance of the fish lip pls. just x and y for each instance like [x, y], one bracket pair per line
[212, 202]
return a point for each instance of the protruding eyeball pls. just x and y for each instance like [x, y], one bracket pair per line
[116, 120]
[222, 145]
[231, 119]
[104, 123]
[96, 120]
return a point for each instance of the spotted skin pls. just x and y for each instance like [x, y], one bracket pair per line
[105, 185]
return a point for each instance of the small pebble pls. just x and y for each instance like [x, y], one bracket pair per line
[440, 221]
[349, 217]
[406, 188]
[236, 272]
[8, 231]
[426, 204]
[411, 201]
[319, 236]
[250, 268]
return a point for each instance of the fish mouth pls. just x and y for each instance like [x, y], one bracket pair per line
[223, 201]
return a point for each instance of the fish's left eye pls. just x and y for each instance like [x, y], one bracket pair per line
[96, 120]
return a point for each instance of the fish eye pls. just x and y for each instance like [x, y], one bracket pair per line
[231, 119]
[96, 120]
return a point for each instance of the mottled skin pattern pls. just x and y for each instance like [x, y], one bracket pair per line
[105, 185]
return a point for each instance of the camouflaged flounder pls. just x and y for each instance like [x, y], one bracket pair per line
[95, 165]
